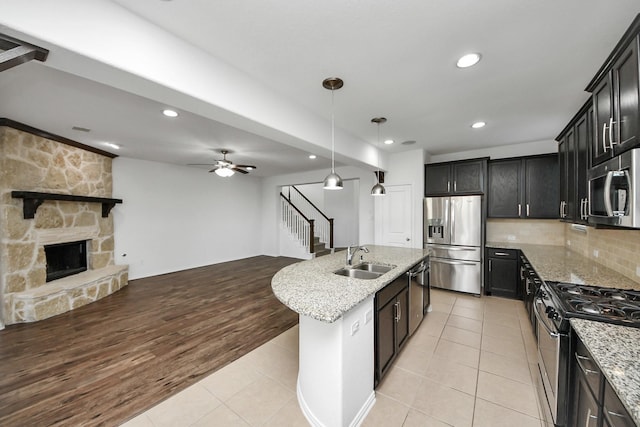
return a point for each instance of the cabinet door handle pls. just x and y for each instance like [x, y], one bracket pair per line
[448, 186]
[585, 370]
[519, 209]
[604, 137]
[527, 209]
[581, 208]
[564, 210]
[489, 265]
[455, 186]
[589, 418]
[611, 141]
[500, 254]
[399, 311]
[615, 414]
[561, 203]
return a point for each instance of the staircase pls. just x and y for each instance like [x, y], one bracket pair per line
[305, 222]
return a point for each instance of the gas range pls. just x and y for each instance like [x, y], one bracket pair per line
[565, 300]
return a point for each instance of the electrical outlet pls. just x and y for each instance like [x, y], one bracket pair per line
[369, 315]
[595, 253]
[511, 237]
[355, 327]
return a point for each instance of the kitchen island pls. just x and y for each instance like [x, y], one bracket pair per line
[336, 360]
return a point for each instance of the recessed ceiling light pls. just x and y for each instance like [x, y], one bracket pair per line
[468, 60]
[170, 113]
[111, 145]
[81, 129]
[478, 125]
[389, 141]
[312, 156]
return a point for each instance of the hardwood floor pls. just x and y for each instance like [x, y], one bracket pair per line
[105, 362]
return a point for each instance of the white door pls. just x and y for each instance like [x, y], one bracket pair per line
[394, 216]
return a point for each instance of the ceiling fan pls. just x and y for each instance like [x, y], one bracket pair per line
[225, 168]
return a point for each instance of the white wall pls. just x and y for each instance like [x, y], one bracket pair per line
[342, 206]
[501, 152]
[407, 167]
[270, 191]
[174, 217]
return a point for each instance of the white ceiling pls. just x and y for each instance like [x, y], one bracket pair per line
[397, 59]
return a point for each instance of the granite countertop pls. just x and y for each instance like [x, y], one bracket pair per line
[615, 349]
[311, 289]
[558, 264]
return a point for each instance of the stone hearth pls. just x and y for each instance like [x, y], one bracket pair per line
[29, 162]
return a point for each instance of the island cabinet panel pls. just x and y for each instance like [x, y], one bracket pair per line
[391, 324]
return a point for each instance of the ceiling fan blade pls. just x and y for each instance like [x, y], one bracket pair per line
[215, 169]
[239, 170]
[245, 166]
[201, 164]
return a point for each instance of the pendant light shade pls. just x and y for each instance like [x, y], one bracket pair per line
[378, 189]
[333, 180]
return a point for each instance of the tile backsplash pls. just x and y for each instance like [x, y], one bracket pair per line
[535, 232]
[618, 249]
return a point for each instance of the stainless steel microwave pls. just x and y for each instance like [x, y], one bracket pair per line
[613, 187]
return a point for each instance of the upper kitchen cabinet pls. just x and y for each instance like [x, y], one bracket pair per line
[463, 177]
[574, 143]
[523, 187]
[616, 93]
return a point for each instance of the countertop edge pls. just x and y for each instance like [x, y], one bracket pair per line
[606, 343]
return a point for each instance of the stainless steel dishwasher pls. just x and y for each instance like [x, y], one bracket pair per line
[418, 294]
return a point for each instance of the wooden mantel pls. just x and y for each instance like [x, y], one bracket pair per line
[32, 200]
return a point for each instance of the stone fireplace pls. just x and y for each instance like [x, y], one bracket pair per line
[33, 161]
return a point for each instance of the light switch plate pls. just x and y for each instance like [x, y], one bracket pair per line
[638, 270]
[595, 253]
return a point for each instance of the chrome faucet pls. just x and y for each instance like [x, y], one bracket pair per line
[351, 251]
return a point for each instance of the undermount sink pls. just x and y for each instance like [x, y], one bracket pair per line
[365, 270]
[374, 268]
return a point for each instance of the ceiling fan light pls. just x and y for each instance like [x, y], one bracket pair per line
[332, 182]
[224, 172]
[378, 190]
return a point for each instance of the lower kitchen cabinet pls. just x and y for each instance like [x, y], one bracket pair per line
[502, 273]
[391, 324]
[594, 403]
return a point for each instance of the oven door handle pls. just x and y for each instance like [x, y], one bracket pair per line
[553, 334]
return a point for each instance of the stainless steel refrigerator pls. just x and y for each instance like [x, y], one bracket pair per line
[454, 233]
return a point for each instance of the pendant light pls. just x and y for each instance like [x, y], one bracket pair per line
[378, 189]
[333, 180]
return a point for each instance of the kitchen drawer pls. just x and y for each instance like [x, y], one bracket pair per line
[614, 412]
[502, 253]
[589, 368]
[390, 291]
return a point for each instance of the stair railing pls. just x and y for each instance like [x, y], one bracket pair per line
[324, 224]
[297, 223]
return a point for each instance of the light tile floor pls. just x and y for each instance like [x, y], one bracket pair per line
[471, 363]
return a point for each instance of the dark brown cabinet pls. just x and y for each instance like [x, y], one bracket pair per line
[593, 397]
[502, 273]
[616, 94]
[523, 187]
[463, 177]
[573, 154]
[391, 324]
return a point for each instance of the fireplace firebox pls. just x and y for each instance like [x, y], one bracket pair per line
[65, 259]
